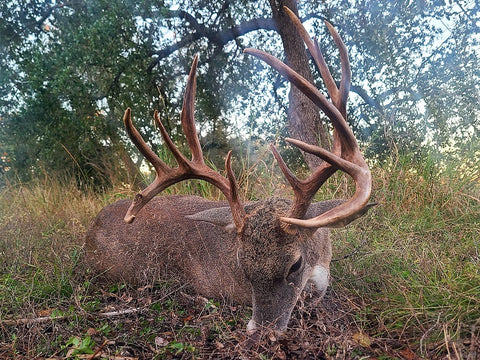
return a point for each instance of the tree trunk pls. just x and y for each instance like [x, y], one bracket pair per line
[304, 121]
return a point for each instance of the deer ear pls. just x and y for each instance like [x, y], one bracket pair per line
[319, 208]
[218, 216]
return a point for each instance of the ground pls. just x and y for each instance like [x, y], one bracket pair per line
[165, 322]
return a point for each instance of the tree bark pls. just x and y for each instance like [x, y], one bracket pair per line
[304, 121]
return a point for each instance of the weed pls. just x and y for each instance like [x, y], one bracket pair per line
[212, 306]
[77, 345]
[117, 288]
[104, 329]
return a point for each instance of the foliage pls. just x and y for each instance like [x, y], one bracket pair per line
[415, 65]
[69, 70]
[426, 233]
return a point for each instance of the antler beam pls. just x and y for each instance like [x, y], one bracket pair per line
[345, 154]
[187, 169]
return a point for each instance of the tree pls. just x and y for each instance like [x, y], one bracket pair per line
[55, 119]
[305, 122]
[78, 65]
[415, 71]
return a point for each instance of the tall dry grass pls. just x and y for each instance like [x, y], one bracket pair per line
[42, 226]
[418, 270]
[411, 266]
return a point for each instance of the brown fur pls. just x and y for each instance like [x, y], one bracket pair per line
[248, 268]
[163, 242]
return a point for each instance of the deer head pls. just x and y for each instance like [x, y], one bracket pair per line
[278, 245]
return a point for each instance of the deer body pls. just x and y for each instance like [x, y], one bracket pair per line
[216, 261]
[165, 243]
[261, 253]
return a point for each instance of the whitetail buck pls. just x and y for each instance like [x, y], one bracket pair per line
[260, 253]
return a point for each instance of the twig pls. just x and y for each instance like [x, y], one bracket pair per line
[119, 312]
[31, 320]
[447, 341]
[353, 252]
[43, 319]
[98, 350]
[427, 333]
[24, 321]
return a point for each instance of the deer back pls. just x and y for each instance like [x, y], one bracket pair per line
[165, 243]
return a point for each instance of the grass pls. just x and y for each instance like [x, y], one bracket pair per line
[406, 279]
[419, 275]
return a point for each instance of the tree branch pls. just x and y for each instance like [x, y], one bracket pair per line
[49, 11]
[182, 14]
[313, 16]
[367, 98]
[219, 38]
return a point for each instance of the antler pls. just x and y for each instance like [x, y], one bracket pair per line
[345, 154]
[187, 169]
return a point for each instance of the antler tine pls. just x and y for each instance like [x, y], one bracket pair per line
[346, 155]
[193, 169]
[188, 118]
[137, 139]
[338, 96]
[161, 169]
[295, 183]
[345, 82]
[238, 211]
[357, 169]
[188, 123]
[310, 91]
[317, 55]
[181, 160]
[304, 190]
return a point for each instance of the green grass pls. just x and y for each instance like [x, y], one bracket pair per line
[419, 274]
[407, 276]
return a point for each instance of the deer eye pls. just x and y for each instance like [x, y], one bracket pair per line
[295, 267]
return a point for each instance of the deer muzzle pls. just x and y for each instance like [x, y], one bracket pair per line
[272, 310]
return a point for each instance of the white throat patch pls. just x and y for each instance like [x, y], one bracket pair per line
[320, 278]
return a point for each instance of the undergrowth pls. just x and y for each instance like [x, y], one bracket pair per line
[418, 273]
[405, 280]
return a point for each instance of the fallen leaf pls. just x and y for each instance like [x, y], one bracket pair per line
[362, 339]
[408, 354]
[280, 354]
[161, 342]
[45, 312]
[147, 287]
[271, 336]
[187, 318]
[70, 353]
[106, 356]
